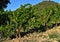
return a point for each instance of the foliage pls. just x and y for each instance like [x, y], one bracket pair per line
[3, 4]
[42, 15]
[54, 35]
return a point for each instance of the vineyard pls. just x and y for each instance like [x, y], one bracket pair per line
[29, 19]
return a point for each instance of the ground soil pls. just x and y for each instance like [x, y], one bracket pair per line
[38, 37]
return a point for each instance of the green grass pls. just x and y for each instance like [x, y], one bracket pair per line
[55, 35]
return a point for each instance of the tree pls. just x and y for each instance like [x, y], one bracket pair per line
[3, 4]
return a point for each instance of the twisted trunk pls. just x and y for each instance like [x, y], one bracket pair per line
[18, 33]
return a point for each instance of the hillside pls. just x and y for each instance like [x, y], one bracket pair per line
[45, 4]
[40, 22]
[47, 13]
[52, 35]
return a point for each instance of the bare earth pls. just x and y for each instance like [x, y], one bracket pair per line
[38, 37]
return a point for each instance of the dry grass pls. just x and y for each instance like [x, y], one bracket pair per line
[52, 35]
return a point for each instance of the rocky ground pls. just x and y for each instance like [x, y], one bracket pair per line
[52, 35]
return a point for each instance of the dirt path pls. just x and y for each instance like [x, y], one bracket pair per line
[14, 40]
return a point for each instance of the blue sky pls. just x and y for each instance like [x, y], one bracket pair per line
[16, 3]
